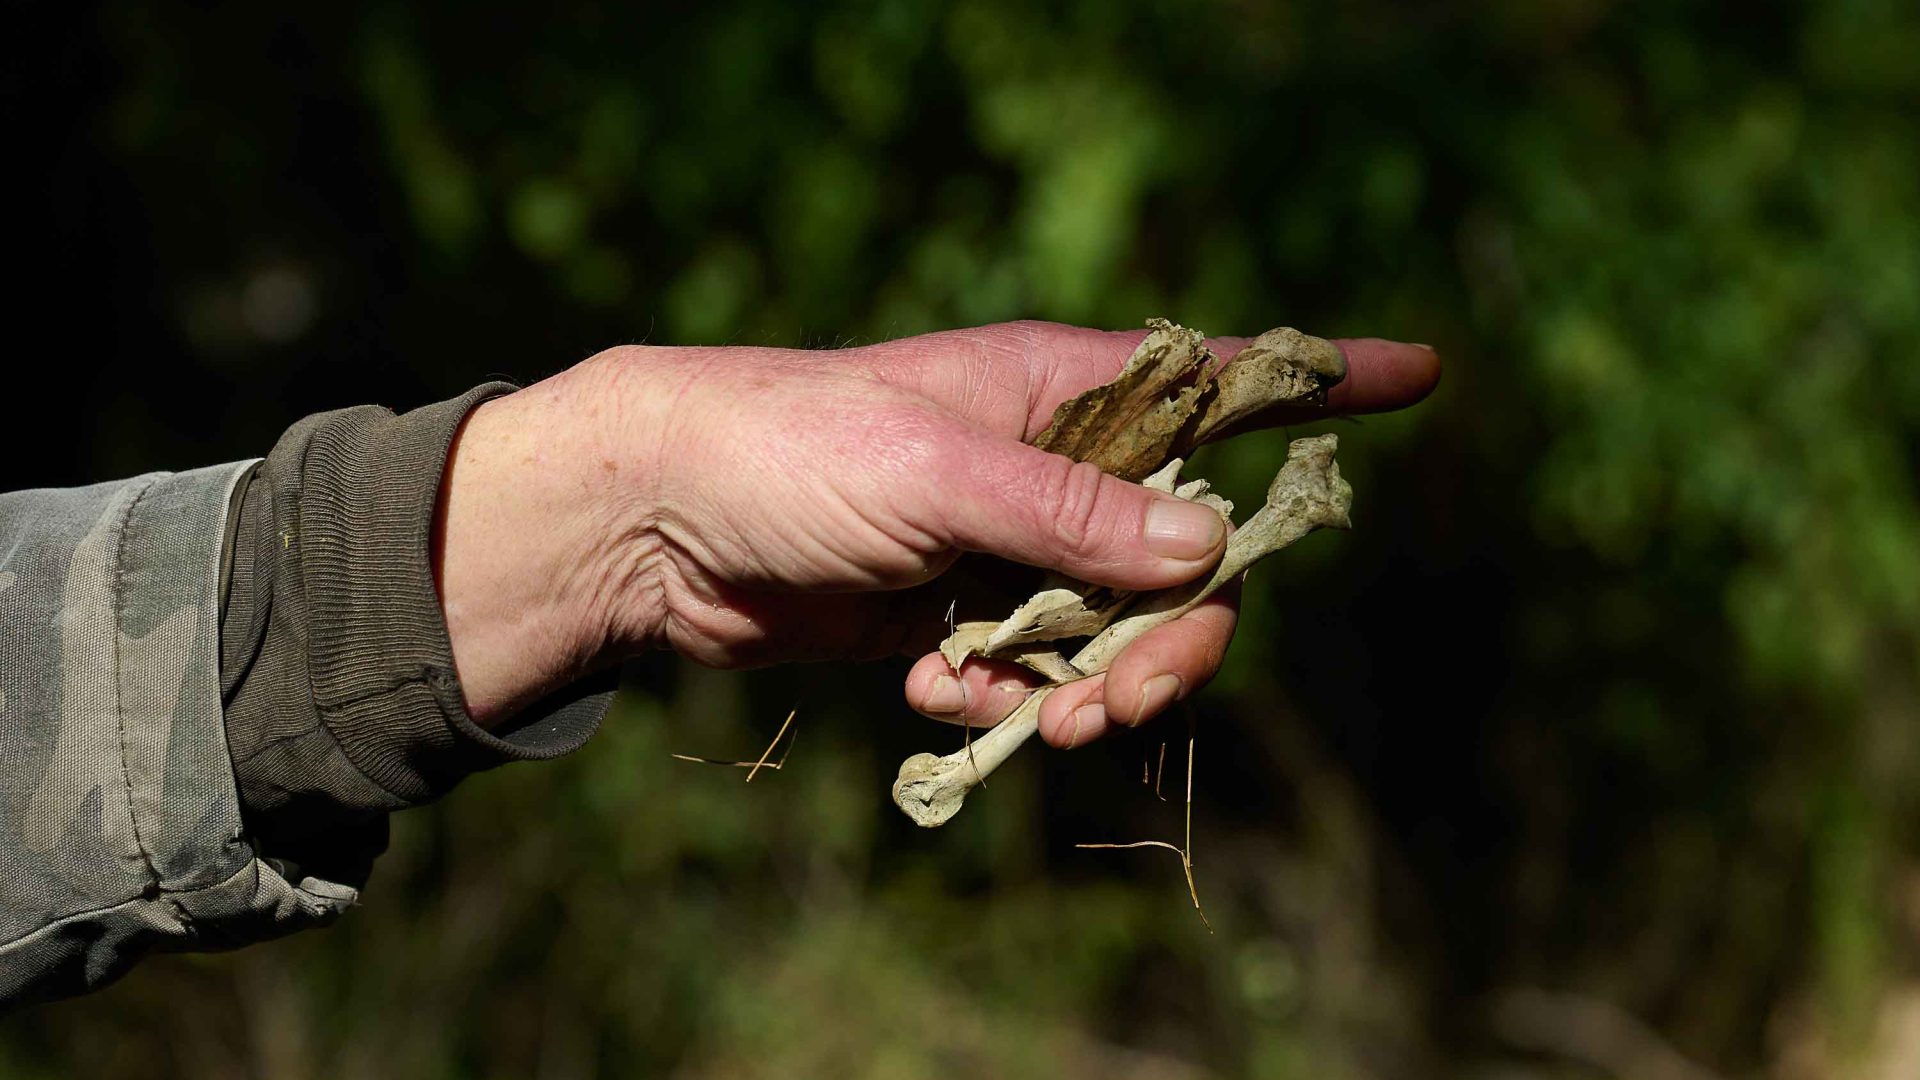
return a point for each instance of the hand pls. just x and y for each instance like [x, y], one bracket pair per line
[746, 506]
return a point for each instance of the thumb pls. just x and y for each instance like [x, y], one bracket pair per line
[1009, 499]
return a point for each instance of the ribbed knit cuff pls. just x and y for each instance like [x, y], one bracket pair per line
[379, 657]
[337, 679]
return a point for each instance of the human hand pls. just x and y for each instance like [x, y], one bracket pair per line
[746, 506]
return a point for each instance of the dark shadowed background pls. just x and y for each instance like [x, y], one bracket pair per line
[1590, 752]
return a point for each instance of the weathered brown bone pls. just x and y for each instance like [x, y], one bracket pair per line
[1280, 367]
[1129, 426]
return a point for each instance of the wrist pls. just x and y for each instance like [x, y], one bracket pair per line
[545, 553]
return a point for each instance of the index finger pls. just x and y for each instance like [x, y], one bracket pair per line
[1010, 377]
[1382, 376]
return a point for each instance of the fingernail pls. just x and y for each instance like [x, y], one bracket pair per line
[1178, 529]
[1155, 694]
[1086, 718]
[948, 697]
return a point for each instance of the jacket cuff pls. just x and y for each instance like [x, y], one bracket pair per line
[337, 676]
[379, 656]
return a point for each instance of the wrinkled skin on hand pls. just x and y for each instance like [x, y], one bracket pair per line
[748, 506]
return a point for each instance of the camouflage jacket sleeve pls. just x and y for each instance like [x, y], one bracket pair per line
[120, 827]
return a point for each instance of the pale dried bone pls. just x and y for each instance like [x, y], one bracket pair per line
[1307, 494]
[1167, 477]
[1064, 607]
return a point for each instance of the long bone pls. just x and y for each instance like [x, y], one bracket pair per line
[1307, 494]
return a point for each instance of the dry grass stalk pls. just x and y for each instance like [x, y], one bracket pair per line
[753, 767]
[1184, 849]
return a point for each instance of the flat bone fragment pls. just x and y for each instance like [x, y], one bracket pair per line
[1064, 607]
[1052, 614]
[967, 639]
[1128, 427]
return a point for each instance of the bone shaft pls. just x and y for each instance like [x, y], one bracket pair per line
[990, 750]
[1101, 652]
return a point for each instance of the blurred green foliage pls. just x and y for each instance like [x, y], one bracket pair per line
[1611, 693]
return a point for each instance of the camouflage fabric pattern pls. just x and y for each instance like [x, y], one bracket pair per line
[120, 828]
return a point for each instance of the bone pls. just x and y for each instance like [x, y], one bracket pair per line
[1307, 494]
[1064, 607]
[1139, 426]
[1280, 367]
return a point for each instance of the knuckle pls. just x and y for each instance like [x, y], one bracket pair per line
[1018, 337]
[900, 445]
[1075, 506]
